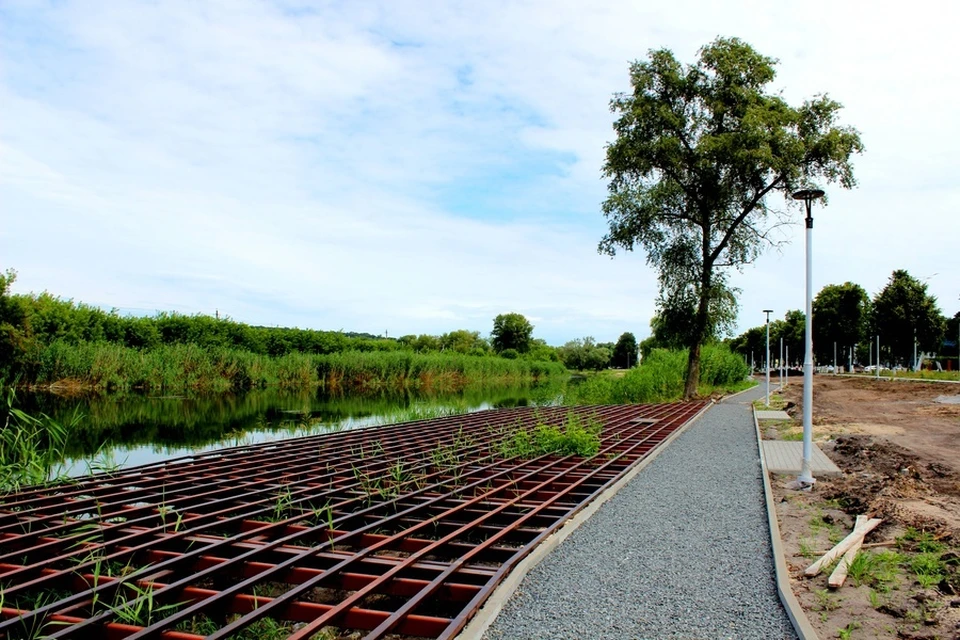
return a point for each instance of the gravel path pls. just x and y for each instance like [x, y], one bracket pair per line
[682, 551]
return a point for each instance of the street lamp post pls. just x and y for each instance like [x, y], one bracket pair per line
[787, 359]
[766, 363]
[805, 479]
[780, 364]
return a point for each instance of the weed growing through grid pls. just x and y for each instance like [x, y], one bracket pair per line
[142, 609]
[36, 627]
[577, 436]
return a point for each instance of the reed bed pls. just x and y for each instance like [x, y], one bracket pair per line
[181, 367]
[660, 378]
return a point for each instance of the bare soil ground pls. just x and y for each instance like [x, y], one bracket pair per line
[898, 445]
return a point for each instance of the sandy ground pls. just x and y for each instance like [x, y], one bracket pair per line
[898, 444]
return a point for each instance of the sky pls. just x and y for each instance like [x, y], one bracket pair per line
[406, 167]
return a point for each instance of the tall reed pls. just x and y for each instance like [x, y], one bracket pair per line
[661, 377]
[176, 368]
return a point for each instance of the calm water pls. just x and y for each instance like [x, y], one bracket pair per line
[135, 429]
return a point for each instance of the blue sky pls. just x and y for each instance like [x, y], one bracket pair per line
[420, 167]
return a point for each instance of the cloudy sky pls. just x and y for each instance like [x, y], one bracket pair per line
[419, 166]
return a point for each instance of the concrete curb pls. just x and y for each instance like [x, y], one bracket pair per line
[795, 612]
[492, 607]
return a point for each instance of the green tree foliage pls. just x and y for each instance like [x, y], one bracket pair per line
[511, 331]
[699, 149]
[625, 351]
[953, 332]
[14, 340]
[904, 310]
[674, 324]
[463, 341]
[585, 354]
[841, 316]
[540, 350]
[792, 329]
[752, 343]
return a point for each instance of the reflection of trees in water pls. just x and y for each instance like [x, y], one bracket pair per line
[196, 421]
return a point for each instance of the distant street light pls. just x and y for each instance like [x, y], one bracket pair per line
[805, 479]
[766, 363]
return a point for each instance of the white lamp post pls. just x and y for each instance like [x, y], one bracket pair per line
[805, 479]
[766, 363]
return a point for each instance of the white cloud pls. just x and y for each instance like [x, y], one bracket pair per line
[423, 166]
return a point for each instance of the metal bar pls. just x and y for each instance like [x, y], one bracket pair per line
[404, 528]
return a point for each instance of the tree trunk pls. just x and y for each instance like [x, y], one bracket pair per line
[699, 335]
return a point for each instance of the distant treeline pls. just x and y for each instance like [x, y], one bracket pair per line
[45, 340]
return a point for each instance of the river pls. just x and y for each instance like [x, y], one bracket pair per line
[121, 431]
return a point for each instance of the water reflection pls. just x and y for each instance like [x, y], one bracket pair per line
[135, 429]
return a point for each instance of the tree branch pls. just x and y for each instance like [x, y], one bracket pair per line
[743, 215]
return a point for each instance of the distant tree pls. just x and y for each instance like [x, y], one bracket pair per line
[511, 331]
[793, 331]
[698, 150]
[572, 354]
[598, 358]
[461, 341]
[540, 350]
[752, 343]
[904, 311]
[841, 317]
[625, 351]
[953, 334]
[14, 334]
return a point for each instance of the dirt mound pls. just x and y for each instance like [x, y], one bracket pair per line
[888, 480]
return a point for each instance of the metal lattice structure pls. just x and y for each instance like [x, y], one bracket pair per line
[385, 532]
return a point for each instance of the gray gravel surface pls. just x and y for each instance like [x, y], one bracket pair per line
[682, 551]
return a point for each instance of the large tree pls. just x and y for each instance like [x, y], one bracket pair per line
[511, 331]
[699, 150]
[841, 317]
[625, 351]
[903, 312]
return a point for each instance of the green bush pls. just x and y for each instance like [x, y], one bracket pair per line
[661, 377]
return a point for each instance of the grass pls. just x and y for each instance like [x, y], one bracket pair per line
[922, 541]
[806, 550]
[661, 377]
[880, 570]
[141, 609]
[928, 568]
[168, 368]
[32, 449]
[577, 436]
[777, 403]
[846, 632]
[826, 602]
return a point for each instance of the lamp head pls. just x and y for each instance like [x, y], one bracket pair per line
[808, 194]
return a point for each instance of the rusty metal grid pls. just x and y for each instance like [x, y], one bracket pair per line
[386, 532]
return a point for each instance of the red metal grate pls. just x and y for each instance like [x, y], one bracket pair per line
[392, 531]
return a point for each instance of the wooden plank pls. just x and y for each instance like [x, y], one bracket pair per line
[839, 575]
[862, 528]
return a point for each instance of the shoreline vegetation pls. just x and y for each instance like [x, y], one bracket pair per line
[107, 368]
[51, 344]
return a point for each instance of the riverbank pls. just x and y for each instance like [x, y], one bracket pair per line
[109, 368]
